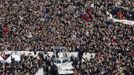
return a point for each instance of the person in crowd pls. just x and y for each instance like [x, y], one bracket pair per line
[79, 25]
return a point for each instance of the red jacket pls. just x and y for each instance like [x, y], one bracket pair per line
[5, 30]
[120, 15]
[85, 17]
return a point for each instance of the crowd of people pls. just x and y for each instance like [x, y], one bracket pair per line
[79, 25]
[28, 65]
[109, 64]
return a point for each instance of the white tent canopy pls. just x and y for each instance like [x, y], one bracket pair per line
[13, 56]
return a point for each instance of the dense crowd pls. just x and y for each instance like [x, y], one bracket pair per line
[38, 25]
[109, 64]
[79, 25]
[28, 65]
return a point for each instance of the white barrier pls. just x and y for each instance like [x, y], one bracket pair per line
[32, 53]
[123, 21]
[128, 22]
[86, 55]
[15, 56]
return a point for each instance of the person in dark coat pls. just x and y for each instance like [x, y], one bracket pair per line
[80, 54]
[53, 69]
